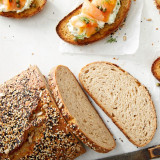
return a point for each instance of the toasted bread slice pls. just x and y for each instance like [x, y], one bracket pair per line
[123, 98]
[79, 113]
[158, 4]
[64, 33]
[31, 126]
[35, 8]
[156, 68]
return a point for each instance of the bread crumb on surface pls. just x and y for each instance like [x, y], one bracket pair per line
[149, 19]
[115, 58]
[124, 38]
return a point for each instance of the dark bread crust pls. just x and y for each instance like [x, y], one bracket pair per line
[69, 118]
[26, 13]
[156, 68]
[64, 33]
[110, 116]
[47, 135]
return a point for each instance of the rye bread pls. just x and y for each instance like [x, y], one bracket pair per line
[35, 8]
[31, 124]
[123, 98]
[77, 110]
[64, 33]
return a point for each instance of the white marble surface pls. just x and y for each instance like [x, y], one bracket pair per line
[34, 41]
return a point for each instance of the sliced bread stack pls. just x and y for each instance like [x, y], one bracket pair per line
[31, 125]
[77, 110]
[123, 98]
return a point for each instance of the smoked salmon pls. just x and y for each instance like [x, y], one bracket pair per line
[13, 5]
[93, 13]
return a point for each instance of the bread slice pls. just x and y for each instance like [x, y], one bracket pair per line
[77, 110]
[64, 33]
[158, 4]
[35, 8]
[31, 126]
[123, 98]
[156, 68]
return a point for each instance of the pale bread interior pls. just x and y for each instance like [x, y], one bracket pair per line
[81, 109]
[123, 98]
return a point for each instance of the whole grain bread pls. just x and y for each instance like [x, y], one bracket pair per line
[35, 8]
[64, 33]
[31, 126]
[123, 98]
[156, 68]
[77, 110]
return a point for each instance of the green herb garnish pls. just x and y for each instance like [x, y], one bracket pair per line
[101, 8]
[81, 37]
[158, 84]
[111, 40]
[85, 19]
[109, 1]
[97, 29]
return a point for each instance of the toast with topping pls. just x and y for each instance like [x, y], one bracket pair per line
[77, 110]
[31, 125]
[89, 9]
[158, 4]
[156, 68]
[123, 98]
[35, 7]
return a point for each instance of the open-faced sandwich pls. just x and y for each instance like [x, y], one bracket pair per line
[21, 8]
[93, 20]
[158, 4]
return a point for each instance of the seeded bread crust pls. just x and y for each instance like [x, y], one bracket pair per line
[112, 116]
[36, 126]
[64, 33]
[35, 8]
[156, 69]
[69, 118]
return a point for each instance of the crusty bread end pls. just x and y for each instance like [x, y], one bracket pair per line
[36, 7]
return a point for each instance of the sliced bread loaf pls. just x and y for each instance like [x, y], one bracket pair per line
[125, 100]
[31, 126]
[77, 110]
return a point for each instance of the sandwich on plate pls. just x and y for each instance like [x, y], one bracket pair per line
[21, 8]
[93, 20]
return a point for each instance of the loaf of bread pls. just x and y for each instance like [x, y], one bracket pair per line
[123, 98]
[36, 7]
[31, 126]
[77, 110]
